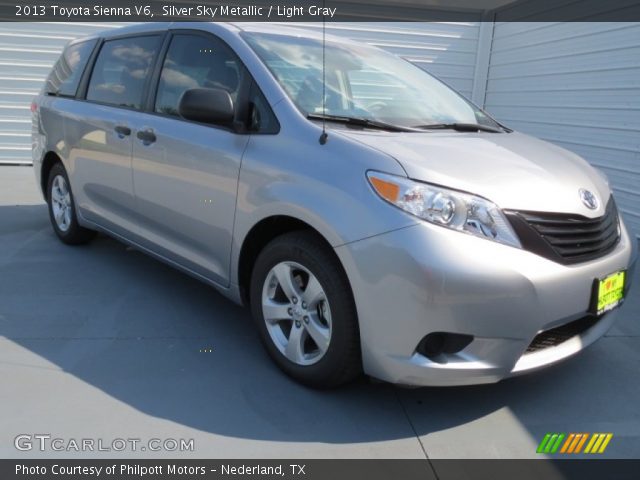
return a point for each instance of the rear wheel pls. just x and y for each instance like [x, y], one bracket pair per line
[62, 210]
[303, 307]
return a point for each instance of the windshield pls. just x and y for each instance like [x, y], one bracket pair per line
[361, 82]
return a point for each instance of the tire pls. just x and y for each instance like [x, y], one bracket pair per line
[62, 209]
[317, 343]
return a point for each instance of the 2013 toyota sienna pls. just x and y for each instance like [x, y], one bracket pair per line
[374, 220]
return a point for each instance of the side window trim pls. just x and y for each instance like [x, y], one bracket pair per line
[245, 88]
[148, 104]
[258, 93]
[82, 92]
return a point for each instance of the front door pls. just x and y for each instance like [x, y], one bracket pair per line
[185, 174]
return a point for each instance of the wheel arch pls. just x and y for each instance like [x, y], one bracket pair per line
[260, 235]
[48, 161]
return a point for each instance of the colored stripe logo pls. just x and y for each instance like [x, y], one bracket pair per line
[574, 443]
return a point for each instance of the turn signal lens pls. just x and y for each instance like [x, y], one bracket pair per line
[441, 206]
[387, 190]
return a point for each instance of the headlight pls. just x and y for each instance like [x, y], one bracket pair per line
[448, 208]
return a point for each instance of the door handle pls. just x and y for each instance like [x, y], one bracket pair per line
[122, 131]
[147, 136]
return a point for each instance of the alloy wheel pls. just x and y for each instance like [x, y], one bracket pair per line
[61, 203]
[296, 311]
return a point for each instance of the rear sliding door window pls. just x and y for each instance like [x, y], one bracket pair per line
[121, 70]
[65, 76]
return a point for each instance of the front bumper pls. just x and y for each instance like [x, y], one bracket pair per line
[424, 279]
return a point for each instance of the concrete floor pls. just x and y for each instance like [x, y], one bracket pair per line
[103, 342]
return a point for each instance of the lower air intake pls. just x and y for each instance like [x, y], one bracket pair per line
[558, 335]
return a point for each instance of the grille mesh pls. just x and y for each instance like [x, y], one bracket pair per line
[558, 335]
[568, 238]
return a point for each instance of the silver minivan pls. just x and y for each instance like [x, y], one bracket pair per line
[374, 220]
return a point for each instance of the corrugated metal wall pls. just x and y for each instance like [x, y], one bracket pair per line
[27, 53]
[577, 85]
[28, 50]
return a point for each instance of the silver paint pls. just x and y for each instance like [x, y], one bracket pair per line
[192, 198]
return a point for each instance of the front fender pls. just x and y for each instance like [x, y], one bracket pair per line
[324, 186]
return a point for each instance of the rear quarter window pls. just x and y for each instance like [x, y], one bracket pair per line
[65, 75]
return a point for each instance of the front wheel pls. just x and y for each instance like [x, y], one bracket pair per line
[304, 310]
[62, 210]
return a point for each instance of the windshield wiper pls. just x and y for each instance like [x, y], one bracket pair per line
[461, 127]
[361, 122]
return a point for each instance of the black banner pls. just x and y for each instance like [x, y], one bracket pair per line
[321, 10]
[320, 469]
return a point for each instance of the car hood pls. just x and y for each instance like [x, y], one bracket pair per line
[513, 170]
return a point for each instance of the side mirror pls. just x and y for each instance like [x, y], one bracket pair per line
[207, 105]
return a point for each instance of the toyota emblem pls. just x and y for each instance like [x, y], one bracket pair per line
[589, 199]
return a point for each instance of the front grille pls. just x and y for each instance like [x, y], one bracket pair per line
[567, 238]
[561, 334]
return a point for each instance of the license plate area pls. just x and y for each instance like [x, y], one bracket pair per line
[608, 292]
